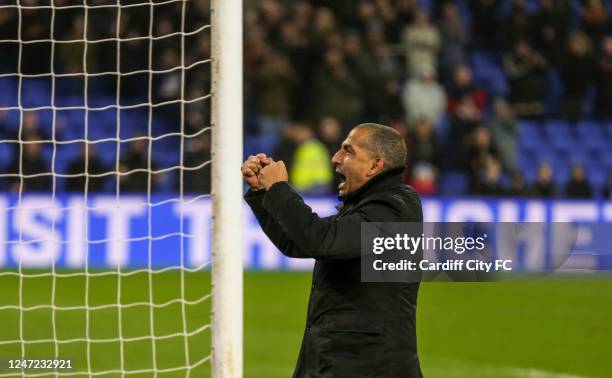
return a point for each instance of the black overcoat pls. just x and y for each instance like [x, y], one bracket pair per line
[353, 329]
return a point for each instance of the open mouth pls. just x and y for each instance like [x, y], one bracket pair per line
[342, 179]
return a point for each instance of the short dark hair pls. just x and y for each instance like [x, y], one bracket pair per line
[385, 142]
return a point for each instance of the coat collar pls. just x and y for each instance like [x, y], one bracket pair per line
[378, 183]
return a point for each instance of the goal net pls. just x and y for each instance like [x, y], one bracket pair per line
[107, 118]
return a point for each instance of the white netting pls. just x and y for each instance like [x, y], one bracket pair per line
[104, 171]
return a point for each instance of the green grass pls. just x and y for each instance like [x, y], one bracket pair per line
[518, 329]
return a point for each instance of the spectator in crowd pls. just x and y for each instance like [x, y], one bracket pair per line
[338, 92]
[359, 61]
[463, 85]
[552, 24]
[324, 26]
[421, 41]
[577, 73]
[270, 15]
[423, 98]
[455, 38]
[526, 69]
[289, 141]
[484, 23]
[330, 134]
[310, 169]
[71, 54]
[169, 84]
[504, 132]
[365, 48]
[390, 15]
[518, 187]
[367, 17]
[578, 187]
[274, 82]
[423, 145]
[30, 162]
[135, 168]
[543, 185]
[87, 166]
[423, 179]
[518, 24]
[480, 154]
[302, 56]
[34, 57]
[406, 11]
[383, 93]
[490, 184]
[197, 152]
[603, 103]
[467, 118]
[595, 20]
[30, 127]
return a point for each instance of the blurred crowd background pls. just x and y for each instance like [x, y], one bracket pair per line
[494, 97]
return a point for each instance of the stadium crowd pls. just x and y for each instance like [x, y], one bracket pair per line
[313, 69]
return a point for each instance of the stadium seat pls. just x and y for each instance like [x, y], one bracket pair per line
[453, 183]
[529, 134]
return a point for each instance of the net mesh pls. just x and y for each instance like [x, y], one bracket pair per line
[104, 166]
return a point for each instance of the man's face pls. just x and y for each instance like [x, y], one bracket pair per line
[354, 163]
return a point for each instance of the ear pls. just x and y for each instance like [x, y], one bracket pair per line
[377, 166]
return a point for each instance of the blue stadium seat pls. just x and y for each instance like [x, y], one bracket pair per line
[597, 174]
[607, 159]
[8, 91]
[453, 183]
[35, 92]
[558, 133]
[529, 134]
[6, 154]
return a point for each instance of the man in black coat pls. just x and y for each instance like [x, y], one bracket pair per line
[354, 328]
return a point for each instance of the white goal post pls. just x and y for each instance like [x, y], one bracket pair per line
[226, 19]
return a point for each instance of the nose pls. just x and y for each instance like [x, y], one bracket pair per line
[335, 160]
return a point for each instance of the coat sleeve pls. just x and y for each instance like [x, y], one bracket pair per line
[321, 238]
[269, 226]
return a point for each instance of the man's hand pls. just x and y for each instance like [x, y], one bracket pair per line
[273, 173]
[251, 168]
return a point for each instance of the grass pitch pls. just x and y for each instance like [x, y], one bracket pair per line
[519, 329]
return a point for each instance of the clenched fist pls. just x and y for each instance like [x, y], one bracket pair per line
[273, 173]
[251, 168]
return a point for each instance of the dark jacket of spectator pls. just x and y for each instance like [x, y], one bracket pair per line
[455, 39]
[423, 145]
[551, 25]
[526, 70]
[518, 25]
[135, 169]
[543, 185]
[517, 187]
[338, 93]
[578, 187]
[578, 70]
[595, 20]
[197, 153]
[30, 162]
[603, 104]
[87, 163]
[485, 29]
[463, 85]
